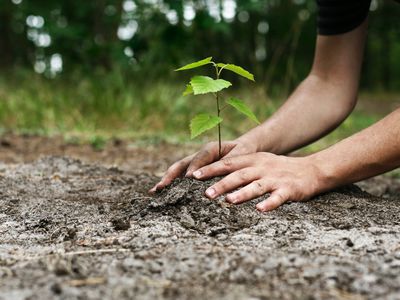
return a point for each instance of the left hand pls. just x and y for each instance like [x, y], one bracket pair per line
[286, 178]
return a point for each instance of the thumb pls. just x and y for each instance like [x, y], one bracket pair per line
[208, 155]
[237, 150]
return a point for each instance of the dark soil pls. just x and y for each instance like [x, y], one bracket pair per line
[73, 230]
[127, 155]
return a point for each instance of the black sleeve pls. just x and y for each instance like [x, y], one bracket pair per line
[340, 16]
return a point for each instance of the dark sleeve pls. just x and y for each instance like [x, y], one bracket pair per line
[341, 16]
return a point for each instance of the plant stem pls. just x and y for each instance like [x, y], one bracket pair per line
[219, 130]
[218, 114]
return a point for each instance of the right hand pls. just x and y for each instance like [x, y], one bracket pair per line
[207, 155]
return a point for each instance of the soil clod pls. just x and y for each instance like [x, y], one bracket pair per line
[97, 234]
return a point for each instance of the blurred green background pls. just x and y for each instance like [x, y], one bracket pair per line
[105, 67]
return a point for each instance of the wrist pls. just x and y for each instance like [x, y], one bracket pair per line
[250, 143]
[325, 173]
[260, 139]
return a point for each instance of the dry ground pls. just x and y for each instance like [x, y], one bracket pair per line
[85, 228]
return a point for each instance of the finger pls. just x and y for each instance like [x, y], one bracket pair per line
[207, 155]
[253, 190]
[232, 181]
[174, 171]
[276, 199]
[224, 166]
[237, 150]
[228, 148]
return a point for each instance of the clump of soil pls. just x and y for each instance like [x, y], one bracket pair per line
[184, 201]
[71, 230]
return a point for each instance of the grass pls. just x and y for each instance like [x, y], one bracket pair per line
[100, 106]
[106, 105]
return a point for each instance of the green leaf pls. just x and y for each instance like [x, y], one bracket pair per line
[188, 90]
[202, 123]
[238, 70]
[240, 106]
[196, 64]
[205, 84]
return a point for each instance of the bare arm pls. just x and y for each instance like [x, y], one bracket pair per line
[373, 151]
[321, 102]
[370, 152]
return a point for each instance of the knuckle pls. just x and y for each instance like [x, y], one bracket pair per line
[227, 162]
[284, 194]
[224, 183]
[243, 175]
[197, 156]
[267, 155]
[181, 164]
[204, 152]
[260, 190]
[221, 186]
[289, 187]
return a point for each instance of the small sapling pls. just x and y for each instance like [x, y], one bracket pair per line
[199, 85]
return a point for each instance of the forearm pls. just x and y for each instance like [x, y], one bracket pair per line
[370, 152]
[315, 108]
[321, 102]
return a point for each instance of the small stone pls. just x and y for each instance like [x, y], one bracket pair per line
[311, 273]
[121, 224]
[347, 205]
[187, 221]
[56, 288]
[71, 234]
[349, 243]
[259, 273]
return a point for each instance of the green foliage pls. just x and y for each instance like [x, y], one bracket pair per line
[196, 64]
[188, 90]
[274, 39]
[79, 108]
[236, 69]
[241, 107]
[204, 85]
[98, 142]
[203, 122]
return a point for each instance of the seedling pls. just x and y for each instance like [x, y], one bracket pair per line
[200, 85]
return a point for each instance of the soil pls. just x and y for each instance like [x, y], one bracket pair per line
[75, 229]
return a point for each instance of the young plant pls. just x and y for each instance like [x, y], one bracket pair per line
[206, 85]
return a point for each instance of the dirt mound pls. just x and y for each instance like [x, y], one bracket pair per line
[185, 202]
[76, 231]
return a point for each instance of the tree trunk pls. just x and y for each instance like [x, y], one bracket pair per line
[6, 52]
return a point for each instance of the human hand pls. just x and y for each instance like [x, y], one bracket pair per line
[286, 178]
[207, 155]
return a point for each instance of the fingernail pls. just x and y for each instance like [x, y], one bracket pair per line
[197, 174]
[211, 192]
[260, 207]
[230, 198]
[156, 187]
